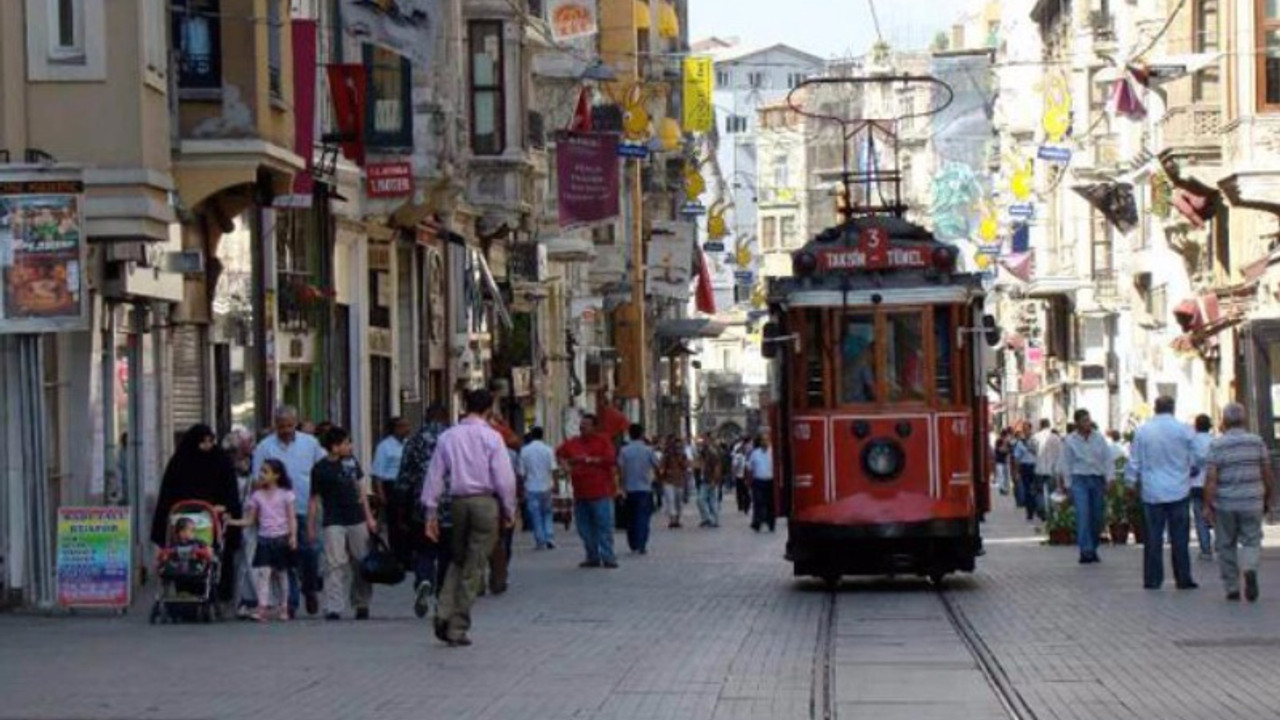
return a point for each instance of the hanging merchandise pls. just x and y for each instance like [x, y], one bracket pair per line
[1125, 102]
[1115, 201]
[1021, 265]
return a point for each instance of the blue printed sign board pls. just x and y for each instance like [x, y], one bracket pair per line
[693, 209]
[713, 246]
[744, 276]
[1022, 210]
[1054, 154]
[633, 150]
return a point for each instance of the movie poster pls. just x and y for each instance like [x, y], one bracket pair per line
[41, 256]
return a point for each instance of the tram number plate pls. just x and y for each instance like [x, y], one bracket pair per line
[960, 427]
[802, 431]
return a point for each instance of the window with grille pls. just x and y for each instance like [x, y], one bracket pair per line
[488, 127]
[388, 110]
[1204, 39]
[197, 39]
[755, 79]
[1267, 42]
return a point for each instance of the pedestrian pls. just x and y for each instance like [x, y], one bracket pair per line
[637, 462]
[428, 558]
[500, 556]
[709, 485]
[591, 461]
[1024, 457]
[1048, 459]
[391, 495]
[473, 458]
[199, 470]
[1160, 461]
[1238, 492]
[675, 467]
[741, 476]
[1086, 461]
[760, 467]
[298, 452]
[539, 463]
[1203, 440]
[339, 491]
[1002, 452]
[272, 515]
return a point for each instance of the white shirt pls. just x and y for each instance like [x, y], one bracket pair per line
[1162, 456]
[761, 464]
[1049, 455]
[538, 461]
[298, 457]
[386, 459]
[1087, 456]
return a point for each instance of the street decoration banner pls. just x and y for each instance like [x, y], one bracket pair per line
[406, 27]
[349, 91]
[42, 251]
[699, 115]
[587, 178]
[962, 136]
[572, 19]
[94, 556]
[670, 261]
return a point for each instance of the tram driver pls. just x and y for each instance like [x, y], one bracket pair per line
[858, 360]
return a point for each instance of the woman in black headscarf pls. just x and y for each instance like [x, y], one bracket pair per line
[199, 470]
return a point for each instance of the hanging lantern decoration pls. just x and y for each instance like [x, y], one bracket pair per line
[988, 225]
[1020, 182]
[643, 19]
[668, 21]
[694, 185]
[669, 134]
[1125, 102]
[717, 227]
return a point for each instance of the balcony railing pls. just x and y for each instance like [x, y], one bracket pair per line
[1192, 127]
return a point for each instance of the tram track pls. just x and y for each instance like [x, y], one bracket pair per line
[823, 698]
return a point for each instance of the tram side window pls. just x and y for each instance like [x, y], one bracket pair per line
[905, 361]
[858, 359]
[942, 339]
[814, 361]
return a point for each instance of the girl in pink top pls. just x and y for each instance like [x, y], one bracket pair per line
[271, 509]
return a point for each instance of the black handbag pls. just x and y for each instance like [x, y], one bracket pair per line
[381, 566]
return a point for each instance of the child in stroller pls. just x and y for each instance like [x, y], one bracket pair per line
[188, 566]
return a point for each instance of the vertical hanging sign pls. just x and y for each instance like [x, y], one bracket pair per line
[698, 113]
[587, 178]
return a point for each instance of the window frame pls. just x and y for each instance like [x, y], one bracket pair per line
[1261, 25]
[498, 89]
[1204, 40]
[275, 49]
[402, 138]
[75, 53]
[768, 232]
[181, 9]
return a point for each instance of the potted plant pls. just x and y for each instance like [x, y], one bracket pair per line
[1118, 513]
[1062, 525]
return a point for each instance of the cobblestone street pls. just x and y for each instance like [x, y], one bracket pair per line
[709, 625]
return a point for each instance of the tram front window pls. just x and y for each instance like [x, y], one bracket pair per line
[858, 360]
[905, 361]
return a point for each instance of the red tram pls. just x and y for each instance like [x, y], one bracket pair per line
[880, 423]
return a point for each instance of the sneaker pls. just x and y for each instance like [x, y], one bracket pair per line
[1206, 556]
[244, 612]
[422, 599]
[1251, 586]
[460, 641]
[1188, 585]
[1233, 596]
[551, 544]
[313, 603]
[362, 613]
[611, 565]
[589, 564]
[332, 616]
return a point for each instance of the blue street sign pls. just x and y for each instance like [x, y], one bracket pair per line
[1054, 154]
[1022, 210]
[744, 276]
[633, 150]
[713, 246]
[693, 209]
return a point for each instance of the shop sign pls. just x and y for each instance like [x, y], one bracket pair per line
[872, 259]
[670, 266]
[94, 556]
[571, 19]
[385, 180]
[587, 178]
[42, 254]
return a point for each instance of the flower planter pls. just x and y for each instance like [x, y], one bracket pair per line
[1119, 534]
[1062, 536]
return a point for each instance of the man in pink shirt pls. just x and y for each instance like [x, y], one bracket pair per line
[482, 485]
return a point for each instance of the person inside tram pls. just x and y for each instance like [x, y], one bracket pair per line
[858, 381]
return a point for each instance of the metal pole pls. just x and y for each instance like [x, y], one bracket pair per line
[114, 492]
[136, 491]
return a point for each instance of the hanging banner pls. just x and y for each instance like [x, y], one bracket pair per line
[94, 556]
[305, 46]
[587, 178]
[349, 90]
[699, 115]
[670, 264]
[407, 27]
[42, 254]
[572, 19]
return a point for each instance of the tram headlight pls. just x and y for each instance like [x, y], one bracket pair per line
[883, 459]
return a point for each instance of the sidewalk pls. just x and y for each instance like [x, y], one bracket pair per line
[1087, 641]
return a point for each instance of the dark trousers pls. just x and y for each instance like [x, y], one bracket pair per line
[431, 559]
[639, 511]
[1030, 490]
[1175, 515]
[762, 504]
[305, 576]
[395, 514]
[742, 489]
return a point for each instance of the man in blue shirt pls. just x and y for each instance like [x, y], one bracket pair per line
[538, 461]
[1161, 460]
[298, 452]
[638, 461]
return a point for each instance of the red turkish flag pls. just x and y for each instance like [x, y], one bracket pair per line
[706, 295]
[348, 88]
[582, 115]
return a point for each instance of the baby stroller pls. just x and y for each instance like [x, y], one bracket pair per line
[189, 571]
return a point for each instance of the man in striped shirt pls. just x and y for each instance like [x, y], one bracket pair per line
[1237, 492]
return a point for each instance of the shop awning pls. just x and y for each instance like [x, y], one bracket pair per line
[688, 328]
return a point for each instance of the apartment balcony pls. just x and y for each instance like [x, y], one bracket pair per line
[1193, 131]
[722, 378]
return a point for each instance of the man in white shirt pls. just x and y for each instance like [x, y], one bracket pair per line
[1048, 457]
[538, 462]
[1200, 447]
[760, 468]
[1086, 460]
[1162, 457]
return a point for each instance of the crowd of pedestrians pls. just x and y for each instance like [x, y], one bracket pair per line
[302, 514]
[1181, 474]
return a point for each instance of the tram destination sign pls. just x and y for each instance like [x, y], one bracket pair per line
[890, 258]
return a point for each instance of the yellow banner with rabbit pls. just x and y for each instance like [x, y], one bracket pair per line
[698, 113]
